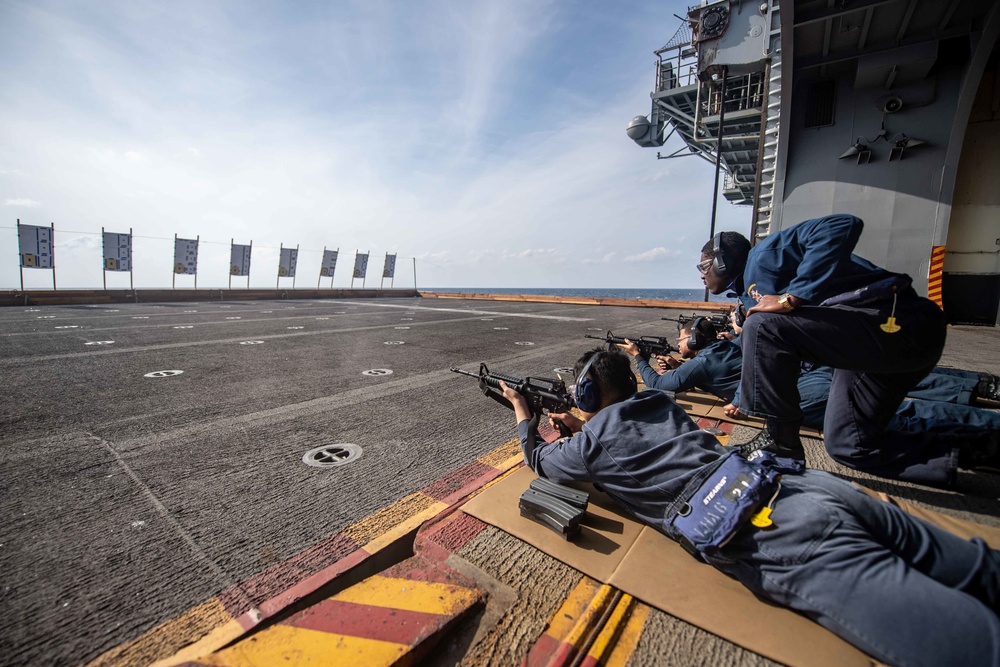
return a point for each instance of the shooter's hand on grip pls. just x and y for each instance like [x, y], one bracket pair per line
[566, 422]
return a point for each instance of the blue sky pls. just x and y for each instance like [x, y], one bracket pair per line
[485, 139]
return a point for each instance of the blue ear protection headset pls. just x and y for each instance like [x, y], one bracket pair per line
[719, 261]
[696, 341]
[586, 393]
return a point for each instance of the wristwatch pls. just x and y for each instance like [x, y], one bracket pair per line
[785, 302]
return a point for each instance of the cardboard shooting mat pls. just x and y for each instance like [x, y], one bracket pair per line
[616, 549]
[702, 404]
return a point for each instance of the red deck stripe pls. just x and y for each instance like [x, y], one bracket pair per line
[455, 534]
[289, 572]
[358, 620]
[457, 480]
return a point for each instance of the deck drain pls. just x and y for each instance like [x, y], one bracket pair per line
[330, 456]
[523, 342]
[378, 371]
[162, 374]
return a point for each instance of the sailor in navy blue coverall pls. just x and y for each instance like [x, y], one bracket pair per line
[902, 590]
[714, 367]
[809, 299]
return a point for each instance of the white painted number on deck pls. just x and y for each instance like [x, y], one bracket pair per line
[100, 342]
[141, 317]
[401, 328]
[184, 326]
[523, 342]
[377, 371]
[68, 326]
[295, 327]
[500, 328]
[234, 318]
[251, 342]
[394, 342]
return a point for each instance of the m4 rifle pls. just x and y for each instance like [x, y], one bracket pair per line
[648, 345]
[544, 395]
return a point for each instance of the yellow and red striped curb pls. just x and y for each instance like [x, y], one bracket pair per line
[230, 614]
[397, 614]
[935, 275]
[596, 625]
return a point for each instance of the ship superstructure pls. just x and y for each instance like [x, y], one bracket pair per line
[887, 109]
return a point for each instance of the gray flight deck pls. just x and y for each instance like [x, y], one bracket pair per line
[127, 500]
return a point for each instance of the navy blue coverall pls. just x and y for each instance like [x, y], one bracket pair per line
[900, 589]
[841, 328]
[716, 369]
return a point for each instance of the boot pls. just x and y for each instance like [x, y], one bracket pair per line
[988, 387]
[780, 438]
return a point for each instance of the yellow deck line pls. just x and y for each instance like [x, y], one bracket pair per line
[623, 649]
[572, 608]
[421, 596]
[288, 646]
[605, 642]
[591, 615]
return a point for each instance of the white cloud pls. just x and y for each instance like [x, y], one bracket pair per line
[653, 255]
[26, 203]
[606, 259]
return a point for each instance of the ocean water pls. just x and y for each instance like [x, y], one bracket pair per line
[615, 293]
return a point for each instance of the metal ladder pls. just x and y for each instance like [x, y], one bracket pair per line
[764, 205]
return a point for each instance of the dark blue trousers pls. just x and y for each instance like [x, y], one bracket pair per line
[902, 590]
[945, 415]
[951, 385]
[874, 370]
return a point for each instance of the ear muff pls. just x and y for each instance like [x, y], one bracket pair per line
[586, 394]
[720, 263]
[696, 341]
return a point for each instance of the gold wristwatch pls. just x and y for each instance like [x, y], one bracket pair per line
[785, 302]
